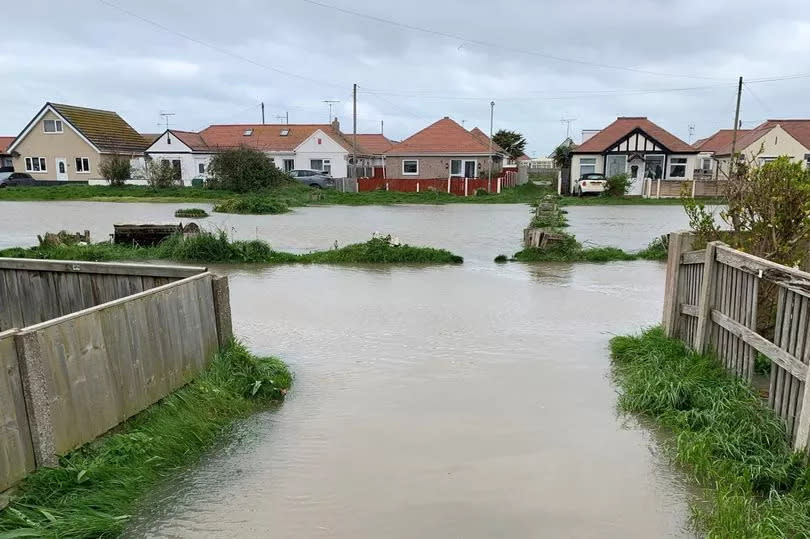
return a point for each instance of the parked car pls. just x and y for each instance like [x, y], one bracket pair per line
[313, 178]
[11, 179]
[593, 183]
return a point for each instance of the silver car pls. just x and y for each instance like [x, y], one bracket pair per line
[10, 179]
[313, 178]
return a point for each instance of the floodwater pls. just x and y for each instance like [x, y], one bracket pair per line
[466, 401]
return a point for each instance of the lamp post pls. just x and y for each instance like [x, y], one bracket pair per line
[491, 122]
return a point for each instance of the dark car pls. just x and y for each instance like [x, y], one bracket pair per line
[313, 178]
[13, 179]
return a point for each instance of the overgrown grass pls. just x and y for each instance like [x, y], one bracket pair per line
[217, 248]
[93, 490]
[570, 250]
[252, 205]
[191, 213]
[724, 435]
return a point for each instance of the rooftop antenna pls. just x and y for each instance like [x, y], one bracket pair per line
[463, 122]
[285, 117]
[166, 116]
[567, 122]
[691, 132]
[330, 102]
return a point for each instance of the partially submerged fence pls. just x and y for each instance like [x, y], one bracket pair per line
[107, 341]
[694, 188]
[456, 185]
[715, 300]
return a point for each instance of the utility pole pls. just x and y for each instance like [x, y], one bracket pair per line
[262, 112]
[382, 127]
[691, 132]
[287, 117]
[491, 123]
[736, 126]
[354, 130]
[330, 102]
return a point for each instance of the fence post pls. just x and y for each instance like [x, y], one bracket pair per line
[499, 185]
[222, 309]
[37, 399]
[694, 183]
[466, 180]
[679, 243]
[802, 442]
[417, 186]
[658, 189]
[705, 302]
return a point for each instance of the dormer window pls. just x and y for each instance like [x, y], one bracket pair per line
[52, 126]
[285, 132]
[247, 132]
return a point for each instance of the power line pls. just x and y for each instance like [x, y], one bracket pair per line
[497, 46]
[762, 104]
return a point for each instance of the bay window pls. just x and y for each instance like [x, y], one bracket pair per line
[677, 167]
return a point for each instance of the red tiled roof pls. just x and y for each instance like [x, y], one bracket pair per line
[442, 137]
[798, 129]
[5, 142]
[483, 137]
[191, 139]
[265, 137]
[624, 125]
[372, 143]
[719, 140]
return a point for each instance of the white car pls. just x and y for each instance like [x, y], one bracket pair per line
[593, 183]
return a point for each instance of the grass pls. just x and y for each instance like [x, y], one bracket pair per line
[570, 250]
[217, 248]
[93, 490]
[191, 213]
[252, 205]
[724, 435]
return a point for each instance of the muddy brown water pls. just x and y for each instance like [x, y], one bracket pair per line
[463, 401]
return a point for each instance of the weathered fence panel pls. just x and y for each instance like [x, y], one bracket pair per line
[32, 291]
[712, 301]
[16, 451]
[107, 363]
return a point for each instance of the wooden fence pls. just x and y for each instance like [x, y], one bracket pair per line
[711, 303]
[64, 381]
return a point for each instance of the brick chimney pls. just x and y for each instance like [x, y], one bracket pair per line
[336, 124]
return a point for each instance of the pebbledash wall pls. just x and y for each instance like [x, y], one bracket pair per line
[97, 344]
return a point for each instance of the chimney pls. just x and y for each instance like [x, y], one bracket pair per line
[336, 124]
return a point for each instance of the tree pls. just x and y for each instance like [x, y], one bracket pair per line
[244, 169]
[161, 174]
[562, 155]
[116, 169]
[511, 141]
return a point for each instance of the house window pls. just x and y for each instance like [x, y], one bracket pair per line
[765, 160]
[285, 132]
[201, 168]
[247, 132]
[455, 167]
[35, 164]
[82, 164]
[410, 167]
[706, 163]
[654, 167]
[807, 160]
[677, 167]
[6, 162]
[327, 166]
[289, 164]
[316, 164]
[52, 126]
[587, 165]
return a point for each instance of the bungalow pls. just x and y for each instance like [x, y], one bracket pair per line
[6, 160]
[442, 150]
[291, 146]
[708, 148]
[767, 141]
[637, 147]
[68, 143]
[373, 146]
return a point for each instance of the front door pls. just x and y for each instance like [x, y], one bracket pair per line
[61, 169]
[636, 174]
[469, 169]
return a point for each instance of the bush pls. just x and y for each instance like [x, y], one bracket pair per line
[617, 186]
[191, 213]
[244, 170]
[481, 192]
[252, 206]
[500, 259]
[116, 169]
[161, 174]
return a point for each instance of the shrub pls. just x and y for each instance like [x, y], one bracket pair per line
[116, 169]
[162, 174]
[500, 259]
[617, 186]
[658, 249]
[481, 192]
[252, 206]
[191, 213]
[244, 170]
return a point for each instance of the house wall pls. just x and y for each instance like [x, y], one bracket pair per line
[320, 146]
[68, 145]
[177, 150]
[433, 166]
[775, 143]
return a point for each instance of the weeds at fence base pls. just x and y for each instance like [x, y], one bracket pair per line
[93, 490]
[725, 436]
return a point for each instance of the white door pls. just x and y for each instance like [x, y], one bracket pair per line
[61, 169]
[636, 174]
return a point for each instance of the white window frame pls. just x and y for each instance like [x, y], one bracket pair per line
[312, 167]
[663, 162]
[682, 162]
[475, 167]
[284, 163]
[765, 159]
[29, 164]
[460, 172]
[410, 161]
[607, 163]
[703, 162]
[200, 168]
[591, 162]
[85, 165]
[326, 166]
[56, 124]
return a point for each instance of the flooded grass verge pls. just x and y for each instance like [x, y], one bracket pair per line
[93, 490]
[570, 250]
[191, 213]
[217, 248]
[724, 435]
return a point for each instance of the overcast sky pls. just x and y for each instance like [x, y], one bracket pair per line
[214, 62]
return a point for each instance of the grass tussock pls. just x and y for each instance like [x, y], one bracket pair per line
[729, 440]
[191, 213]
[217, 248]
[93, 490]
[570, 250]
[253, 205]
